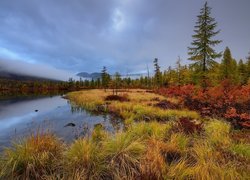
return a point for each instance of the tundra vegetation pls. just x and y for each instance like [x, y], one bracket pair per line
[155, 143]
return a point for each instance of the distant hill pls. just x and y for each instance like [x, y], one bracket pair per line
[96, 75]
[86, 75]
[20, 77]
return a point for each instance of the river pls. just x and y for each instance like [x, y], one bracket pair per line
[21, 117]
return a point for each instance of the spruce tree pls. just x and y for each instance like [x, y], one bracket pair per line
[226, 64]
[117, 81]
[242, 72]
[105, 78]
[201, 50]
[228, 67]
[157, 72]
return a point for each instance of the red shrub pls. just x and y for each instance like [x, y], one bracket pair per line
[216, 101]
[189, 127]
[116, 98]
[166, 105]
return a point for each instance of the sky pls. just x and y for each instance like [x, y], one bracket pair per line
[64, 37]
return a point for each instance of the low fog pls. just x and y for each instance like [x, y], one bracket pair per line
[37, 70]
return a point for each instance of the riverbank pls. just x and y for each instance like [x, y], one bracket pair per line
[161, 140]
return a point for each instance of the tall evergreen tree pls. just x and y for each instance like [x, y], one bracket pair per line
[226, 64]
[242, 72]
[228, 67]
[201, 50]
[157, 72]
[117, 82]
[105, 78]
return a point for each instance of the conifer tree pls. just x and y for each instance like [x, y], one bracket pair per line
[242, 72]
[226, 64]
[228, 67]
[201, 50]
[157, 72]
[105, 78]
[117, 82]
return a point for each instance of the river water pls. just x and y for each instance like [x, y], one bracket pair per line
[20, 117]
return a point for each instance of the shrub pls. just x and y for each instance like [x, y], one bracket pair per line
[188, 126]
[218, 101]
[165, 104]
[117, 98]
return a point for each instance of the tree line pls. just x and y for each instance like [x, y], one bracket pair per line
[204, 69]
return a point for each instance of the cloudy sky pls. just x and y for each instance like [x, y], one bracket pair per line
[70, 36]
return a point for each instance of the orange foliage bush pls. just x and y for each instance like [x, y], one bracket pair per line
[225, 100]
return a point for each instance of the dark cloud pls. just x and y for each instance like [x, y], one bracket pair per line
[124, 35]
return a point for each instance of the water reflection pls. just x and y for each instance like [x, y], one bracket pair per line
[19, 118]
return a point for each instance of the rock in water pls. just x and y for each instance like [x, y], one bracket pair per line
[70, 124]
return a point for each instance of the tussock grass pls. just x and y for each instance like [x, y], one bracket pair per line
[217, 132]
[149, 130]
[140, 106]
[207, 165]
[149, 147]
[241, 149]
[180, 141]
[84, 160]
[123, 154]
[143, 151]
[33, 157]
[153, 164]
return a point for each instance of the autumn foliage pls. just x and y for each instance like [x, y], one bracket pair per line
[225, 100]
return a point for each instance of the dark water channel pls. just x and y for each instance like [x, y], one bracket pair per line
[20, 117]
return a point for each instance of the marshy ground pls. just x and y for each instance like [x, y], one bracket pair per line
[161, 139]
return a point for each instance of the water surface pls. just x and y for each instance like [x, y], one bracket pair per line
[23, 116]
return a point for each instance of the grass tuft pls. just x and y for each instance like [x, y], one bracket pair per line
[33, 157]
[217, 132]
[123, 153]
[84, 160]
[241, 149]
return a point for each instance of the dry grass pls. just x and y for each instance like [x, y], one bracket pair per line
[33, 157]
[148, 148]
[140, 107]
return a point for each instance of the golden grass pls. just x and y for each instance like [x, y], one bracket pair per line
[140, 107]
[218, 132]
[84, 160]
[148, 148]
[33, 157]
[123, 153]
[143, 151]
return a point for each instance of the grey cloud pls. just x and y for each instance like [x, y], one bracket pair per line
[124, 35]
